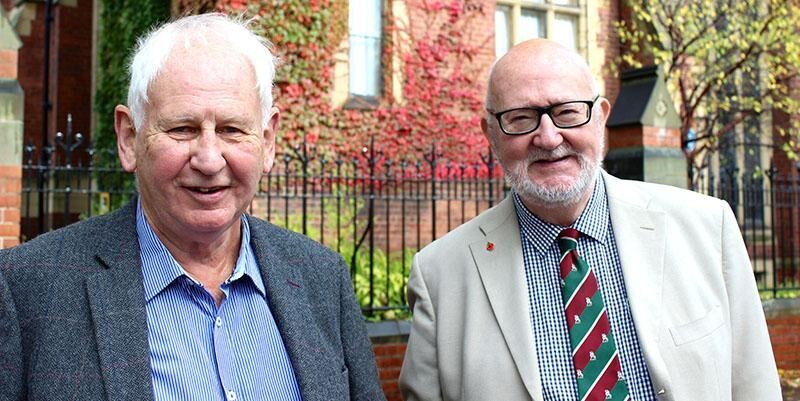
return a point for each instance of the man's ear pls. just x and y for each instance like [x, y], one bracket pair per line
[605, 109]
[126, 138]
[485, 128]
[605, 112]
[269, 139]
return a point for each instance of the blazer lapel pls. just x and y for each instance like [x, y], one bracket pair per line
[290, 306]
[116, 300]
[640, 235]
[500, 266]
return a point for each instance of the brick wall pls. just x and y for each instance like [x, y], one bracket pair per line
[389, 344]
[785, 335]
[782, 120]
[11, 113]
[787, 221]
[31, 72]
[10, 191]
[783, 319]
[70, 69]
[73, 62]
[608, 40]
[389, 358]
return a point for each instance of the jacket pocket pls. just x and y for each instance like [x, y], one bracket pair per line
[697, 329]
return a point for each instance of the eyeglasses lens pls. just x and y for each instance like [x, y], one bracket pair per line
[564, 116]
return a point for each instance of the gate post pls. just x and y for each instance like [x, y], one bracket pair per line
[11, 118]
[644, 138]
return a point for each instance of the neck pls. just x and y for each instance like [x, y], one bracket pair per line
[208, 258]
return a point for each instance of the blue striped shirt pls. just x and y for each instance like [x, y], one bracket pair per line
[549, 326]
[201, 352]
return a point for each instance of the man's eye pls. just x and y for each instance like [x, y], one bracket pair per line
[519, 119]
[182, 130]
[567, 111]
[228, 130]
[521, 116]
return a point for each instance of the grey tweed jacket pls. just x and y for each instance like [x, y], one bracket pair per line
[73, 323]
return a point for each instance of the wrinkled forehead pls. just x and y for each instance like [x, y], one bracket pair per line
[212, 60]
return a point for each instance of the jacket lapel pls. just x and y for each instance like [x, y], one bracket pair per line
[290, 305]
[500, 266]
[116, 300]
[640, 235]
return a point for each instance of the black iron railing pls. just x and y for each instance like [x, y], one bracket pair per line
[377, 212]
[767, 207]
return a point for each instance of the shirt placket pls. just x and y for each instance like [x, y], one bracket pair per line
[223, 352]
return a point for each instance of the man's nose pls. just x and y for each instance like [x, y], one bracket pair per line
[207, 153]
[547, 136]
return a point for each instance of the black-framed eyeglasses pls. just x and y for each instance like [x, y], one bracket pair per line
[524, 120]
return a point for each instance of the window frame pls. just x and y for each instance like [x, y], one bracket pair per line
[363, 101]
[550, 10]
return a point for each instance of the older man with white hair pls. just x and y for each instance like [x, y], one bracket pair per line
[181, 294]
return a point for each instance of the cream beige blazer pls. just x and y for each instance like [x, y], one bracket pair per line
[689, 282]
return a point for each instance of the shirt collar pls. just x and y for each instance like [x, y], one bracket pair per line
[160, 268]
[593, 221]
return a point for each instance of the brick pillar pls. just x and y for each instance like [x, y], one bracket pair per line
[389, 341]
[644, 139]
[11, 116]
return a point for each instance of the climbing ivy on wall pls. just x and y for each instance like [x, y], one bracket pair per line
[120, 22]
[441, 79]
[305, 35]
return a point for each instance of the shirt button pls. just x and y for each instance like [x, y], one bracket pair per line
[231, 395]
[218, 322]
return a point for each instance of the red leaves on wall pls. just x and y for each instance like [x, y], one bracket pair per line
[441, 79]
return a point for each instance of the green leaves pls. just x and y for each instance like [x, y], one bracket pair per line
[725, 61]
[120, 23]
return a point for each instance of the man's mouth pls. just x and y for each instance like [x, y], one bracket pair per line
[551, 160]
[206, 190]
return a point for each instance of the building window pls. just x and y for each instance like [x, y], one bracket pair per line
[520, 20]
[365, 29]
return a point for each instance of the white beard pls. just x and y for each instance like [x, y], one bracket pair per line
[554, 196]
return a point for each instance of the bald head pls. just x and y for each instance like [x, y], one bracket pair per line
[535, 62]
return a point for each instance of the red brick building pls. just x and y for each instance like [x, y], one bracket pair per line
[69, 62]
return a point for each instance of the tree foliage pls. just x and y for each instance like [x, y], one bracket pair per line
[725, 61]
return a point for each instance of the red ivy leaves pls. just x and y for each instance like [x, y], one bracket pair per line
[441, 81]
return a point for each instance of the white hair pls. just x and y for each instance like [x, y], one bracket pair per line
[153, 49]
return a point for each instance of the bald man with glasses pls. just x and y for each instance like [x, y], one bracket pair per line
[579, 285]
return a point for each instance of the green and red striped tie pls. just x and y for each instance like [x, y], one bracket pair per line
[594, 353]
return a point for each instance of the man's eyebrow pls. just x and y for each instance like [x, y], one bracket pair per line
[242, 120]
[179, 119]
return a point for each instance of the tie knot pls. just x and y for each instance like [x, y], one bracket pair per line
[568, 239]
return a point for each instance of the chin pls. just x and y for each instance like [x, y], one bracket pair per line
[211, 222]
